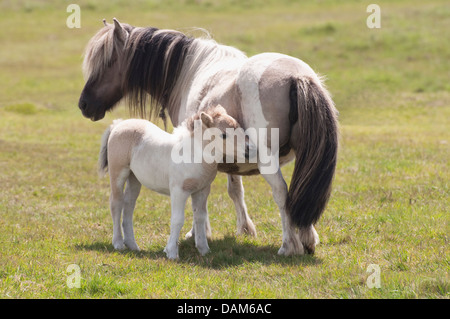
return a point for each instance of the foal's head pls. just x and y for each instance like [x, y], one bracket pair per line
[103, 69]
[224, 131]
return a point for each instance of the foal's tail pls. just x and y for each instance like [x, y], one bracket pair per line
[315, 151]
[103, 156]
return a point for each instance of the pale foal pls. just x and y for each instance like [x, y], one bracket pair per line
[137, 152]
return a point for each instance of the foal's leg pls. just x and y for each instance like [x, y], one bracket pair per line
[200, 209]
[191, 233]
[178, 201]
[236, 192]
[131, 194]
[116, 200]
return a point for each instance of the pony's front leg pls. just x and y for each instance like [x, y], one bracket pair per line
[178, 201]
[236, 193]
[200, 209]
[292, 244]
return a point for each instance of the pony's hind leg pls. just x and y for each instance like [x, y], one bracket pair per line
[132, 191]
[116, 201]
[236, 192]
[200, 209]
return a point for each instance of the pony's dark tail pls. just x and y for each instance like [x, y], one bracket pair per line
[315, 151]
[102, 168]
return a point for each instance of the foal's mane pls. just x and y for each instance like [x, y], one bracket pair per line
[214, 111]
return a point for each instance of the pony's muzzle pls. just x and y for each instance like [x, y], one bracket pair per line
[82, 105]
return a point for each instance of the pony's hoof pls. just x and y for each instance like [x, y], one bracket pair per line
[291, 248]
[309, 239]
[132, 246]
[172, 255]
[247, 229]
[189, 234]
[289, 252]
[310, 249]
[282, 251]
[119, 245]
[203, 251]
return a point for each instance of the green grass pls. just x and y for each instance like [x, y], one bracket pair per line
[390, 199]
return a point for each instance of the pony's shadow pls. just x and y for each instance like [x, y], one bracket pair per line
[225, 252]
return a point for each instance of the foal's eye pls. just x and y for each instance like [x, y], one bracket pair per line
[224, 135]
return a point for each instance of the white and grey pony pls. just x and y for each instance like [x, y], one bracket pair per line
[137, 152]
[167, 72]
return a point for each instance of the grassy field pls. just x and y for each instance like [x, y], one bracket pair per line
[390, 202]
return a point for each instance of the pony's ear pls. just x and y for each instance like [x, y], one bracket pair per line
[119, 31]
[206, 119]
[104, 22]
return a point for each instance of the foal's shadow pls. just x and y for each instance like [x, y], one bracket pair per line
[224, 252]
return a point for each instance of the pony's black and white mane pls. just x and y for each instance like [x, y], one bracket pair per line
[155, 61]
[157, 64]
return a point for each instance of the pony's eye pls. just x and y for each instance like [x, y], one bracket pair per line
[224, 135]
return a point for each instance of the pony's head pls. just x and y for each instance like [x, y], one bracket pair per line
[121, 60]
[229, 138]
[103, 68]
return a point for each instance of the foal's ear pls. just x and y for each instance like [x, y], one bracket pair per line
[206, 119]
[221, 109]
[119, 31]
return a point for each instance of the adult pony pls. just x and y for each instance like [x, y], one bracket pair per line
[183, 75]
